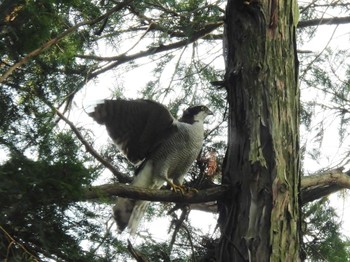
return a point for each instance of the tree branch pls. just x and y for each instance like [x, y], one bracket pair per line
[136, 254]
[121, 177]
[324, 21]
[317, 186]
[123, 58]
[139, 193]
[312, 188]
[55, 40]
[210, 207]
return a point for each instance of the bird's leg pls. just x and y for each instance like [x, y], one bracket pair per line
[179, 181]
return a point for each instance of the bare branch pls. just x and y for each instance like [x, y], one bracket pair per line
[324, 21]
[317, 186]
[123, 58]
[332, 4]
[312, 188]
[139, 193]
[210, 207]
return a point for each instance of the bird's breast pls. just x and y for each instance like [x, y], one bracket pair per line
[180, 150]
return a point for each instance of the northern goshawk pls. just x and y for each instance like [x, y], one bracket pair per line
[163, 148]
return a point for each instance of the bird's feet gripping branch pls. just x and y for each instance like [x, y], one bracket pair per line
[180, 188]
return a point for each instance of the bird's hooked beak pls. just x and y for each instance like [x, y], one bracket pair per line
[209, 112]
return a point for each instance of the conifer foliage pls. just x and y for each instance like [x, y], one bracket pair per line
[53, 54]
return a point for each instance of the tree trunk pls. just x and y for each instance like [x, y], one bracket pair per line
[259, 218]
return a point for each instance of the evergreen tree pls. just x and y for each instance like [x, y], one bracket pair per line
[54, 52]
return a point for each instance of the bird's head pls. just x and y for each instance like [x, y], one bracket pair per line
[195, 114]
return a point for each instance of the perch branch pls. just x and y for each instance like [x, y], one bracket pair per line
[312, 188]
[140, 193]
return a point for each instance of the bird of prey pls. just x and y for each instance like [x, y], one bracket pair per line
[162, 147]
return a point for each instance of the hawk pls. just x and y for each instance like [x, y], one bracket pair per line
[162, 148]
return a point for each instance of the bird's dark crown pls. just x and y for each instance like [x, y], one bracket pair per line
[194, 110]
[190, 114]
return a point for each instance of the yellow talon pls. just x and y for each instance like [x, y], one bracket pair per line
[183, 189]
[177, 188]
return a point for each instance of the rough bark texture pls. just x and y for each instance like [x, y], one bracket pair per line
[323, 184]
[259, 218]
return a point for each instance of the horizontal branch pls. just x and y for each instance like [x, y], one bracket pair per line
[108, 190]
[317, 186]
[324, 21]
[312, 188]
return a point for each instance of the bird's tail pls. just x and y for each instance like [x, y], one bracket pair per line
[128, 213]
[136, 215]
[122, 212]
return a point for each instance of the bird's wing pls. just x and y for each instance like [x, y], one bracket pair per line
[136, 126]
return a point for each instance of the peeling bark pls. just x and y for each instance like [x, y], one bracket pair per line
[259, 218]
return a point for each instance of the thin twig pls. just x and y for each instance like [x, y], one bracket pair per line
[190, 240]
[178, 223]
[136, 254]
[318, 55]
[121, 59]
[121, 177]
[13, 241]
[55, 40]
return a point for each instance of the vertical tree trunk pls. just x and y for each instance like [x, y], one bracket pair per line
[259, 219]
